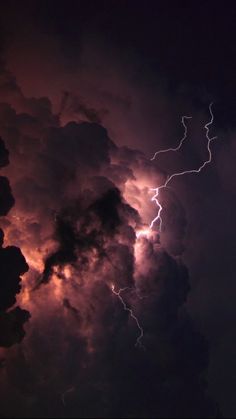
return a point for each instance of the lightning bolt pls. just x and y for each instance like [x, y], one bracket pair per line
[181, 141]
[130, 311]
[155, 197]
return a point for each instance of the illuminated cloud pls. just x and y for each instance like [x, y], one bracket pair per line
[81, 218]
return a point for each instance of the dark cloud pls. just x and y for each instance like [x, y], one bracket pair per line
[73, 105]
[7, 200]
[12, 265]
[11, 326]
[81, 332]
[80, 200]
[79, 207]
[4, 154]
[79, 231]
[75, 313]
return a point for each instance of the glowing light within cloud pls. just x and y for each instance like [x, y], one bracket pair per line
[130, 311]
[155, 197]
[144, 233]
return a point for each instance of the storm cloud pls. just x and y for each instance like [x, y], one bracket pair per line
[81, 116]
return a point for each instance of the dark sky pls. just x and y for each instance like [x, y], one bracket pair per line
[135, 68]
[184, 42]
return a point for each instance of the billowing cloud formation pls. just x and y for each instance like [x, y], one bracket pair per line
[81, 218]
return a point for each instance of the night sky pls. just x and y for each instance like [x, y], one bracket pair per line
[102, 312]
